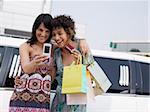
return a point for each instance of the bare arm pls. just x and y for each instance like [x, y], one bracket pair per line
[84, 47]
[27, 65]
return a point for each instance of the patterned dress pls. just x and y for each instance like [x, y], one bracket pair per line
[59, 104]
[33, 94]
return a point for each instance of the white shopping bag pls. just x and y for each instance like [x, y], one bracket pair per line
[99, 76]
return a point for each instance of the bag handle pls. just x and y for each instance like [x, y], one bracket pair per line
[78, 61]
[89, 60]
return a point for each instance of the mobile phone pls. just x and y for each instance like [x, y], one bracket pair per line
[47, 49]
[69, 48]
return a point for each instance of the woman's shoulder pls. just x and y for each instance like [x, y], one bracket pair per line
[24, 46]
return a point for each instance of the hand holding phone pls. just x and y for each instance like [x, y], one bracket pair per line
[69, 48]
[74, 52]
[47, 50]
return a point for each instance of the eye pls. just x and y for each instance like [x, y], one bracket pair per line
[60, 33]
[39, 29]
[47, 31]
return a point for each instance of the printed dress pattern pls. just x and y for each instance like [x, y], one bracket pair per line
[33, 94]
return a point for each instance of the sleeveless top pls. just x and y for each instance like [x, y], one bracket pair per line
[34, 86]
[33, 92]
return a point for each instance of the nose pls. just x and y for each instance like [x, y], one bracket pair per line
[43, 33]
[56, 38]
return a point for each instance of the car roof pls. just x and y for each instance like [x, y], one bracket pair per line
[16, 42]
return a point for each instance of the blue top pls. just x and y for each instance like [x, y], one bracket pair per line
[59, 66]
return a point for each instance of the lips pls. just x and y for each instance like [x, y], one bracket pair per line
[60, 43]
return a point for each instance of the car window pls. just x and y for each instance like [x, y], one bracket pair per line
[143, 82]
[115, 69]
[13, 67]
[7, 55]
[1, 54]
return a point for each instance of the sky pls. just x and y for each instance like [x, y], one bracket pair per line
[107, 21]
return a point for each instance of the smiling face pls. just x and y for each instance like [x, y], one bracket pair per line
[42, 33]
[60, 37]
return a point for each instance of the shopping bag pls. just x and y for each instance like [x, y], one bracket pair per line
[96, 88]
[77, 99]
[99, 77]
[74, 79]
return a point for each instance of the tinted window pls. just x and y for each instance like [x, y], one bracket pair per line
[6, 59]
[112, 68]
[13, 68]
[1, 54]
[143, 79]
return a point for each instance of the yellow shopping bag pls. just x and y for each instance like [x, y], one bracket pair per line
[74, 79]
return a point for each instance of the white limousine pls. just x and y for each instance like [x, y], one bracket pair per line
[128, 94]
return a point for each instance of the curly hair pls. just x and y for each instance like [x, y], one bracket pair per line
[65, 22]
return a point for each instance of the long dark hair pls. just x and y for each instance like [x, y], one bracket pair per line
[46, 20]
